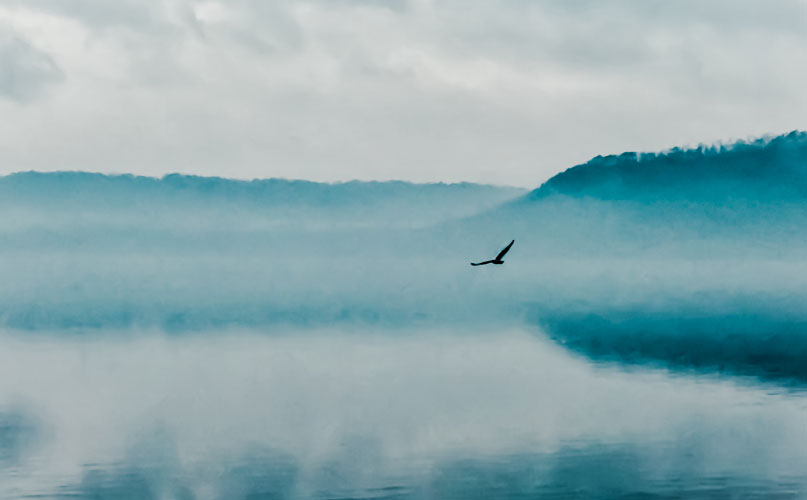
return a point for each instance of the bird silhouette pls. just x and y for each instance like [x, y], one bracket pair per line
[498, 259]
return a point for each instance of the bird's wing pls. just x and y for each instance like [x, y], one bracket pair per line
[505, 250]
[481, 263]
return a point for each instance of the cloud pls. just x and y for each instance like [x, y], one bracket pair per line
[24, 70]
[419, 90]
[133, 15]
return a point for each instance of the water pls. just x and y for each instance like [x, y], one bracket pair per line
[369, 413]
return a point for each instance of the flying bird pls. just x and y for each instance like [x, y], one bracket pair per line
[498, 259]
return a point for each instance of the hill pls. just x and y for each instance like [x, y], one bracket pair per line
[766, 169]
[183, 201]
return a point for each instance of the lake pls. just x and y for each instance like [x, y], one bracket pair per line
[379, 413]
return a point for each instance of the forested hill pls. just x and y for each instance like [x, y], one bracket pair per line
[766, 169]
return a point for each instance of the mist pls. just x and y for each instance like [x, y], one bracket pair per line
[191, 337]
[689, 258]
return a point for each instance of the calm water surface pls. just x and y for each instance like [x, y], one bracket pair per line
[376, 414]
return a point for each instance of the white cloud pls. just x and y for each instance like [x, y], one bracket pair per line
[507, 92]
[24, 70]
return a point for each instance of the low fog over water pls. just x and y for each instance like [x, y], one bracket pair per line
[195, 337]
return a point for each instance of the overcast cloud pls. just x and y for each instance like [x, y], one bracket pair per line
[24, 71]
[508, 92]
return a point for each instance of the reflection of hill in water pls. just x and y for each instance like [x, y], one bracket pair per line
[744, 340]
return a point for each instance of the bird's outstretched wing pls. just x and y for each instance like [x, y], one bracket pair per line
[481, 263]
[505, 250]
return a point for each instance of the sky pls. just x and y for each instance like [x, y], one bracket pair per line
[506, 92]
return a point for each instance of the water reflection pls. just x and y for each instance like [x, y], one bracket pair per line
[575, 471]
[18, 434]
[369, 415]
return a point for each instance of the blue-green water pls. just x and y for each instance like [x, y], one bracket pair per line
[430, 414]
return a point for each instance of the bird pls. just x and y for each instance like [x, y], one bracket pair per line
[498, 259]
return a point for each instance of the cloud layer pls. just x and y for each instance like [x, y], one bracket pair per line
[412, 89]
[24, 70]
